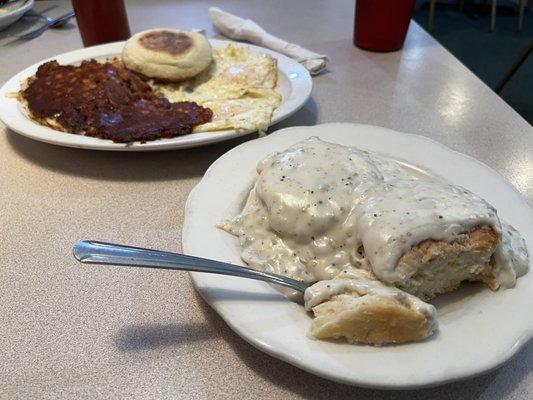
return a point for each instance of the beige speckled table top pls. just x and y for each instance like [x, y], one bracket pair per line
[71, 331]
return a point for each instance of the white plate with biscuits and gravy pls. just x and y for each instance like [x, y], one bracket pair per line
[335, 203]
[245, 89]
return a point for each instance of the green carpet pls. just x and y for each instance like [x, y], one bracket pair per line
[487, 54]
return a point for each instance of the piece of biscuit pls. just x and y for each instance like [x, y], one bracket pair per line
[435, 266]
[167, 55]
[367, 312]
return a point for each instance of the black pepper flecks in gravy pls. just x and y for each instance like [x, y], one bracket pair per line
[320, 211]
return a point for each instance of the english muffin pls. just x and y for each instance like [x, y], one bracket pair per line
[167, 55]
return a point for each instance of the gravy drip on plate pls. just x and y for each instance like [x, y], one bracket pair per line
[320, 211]
[511, 259]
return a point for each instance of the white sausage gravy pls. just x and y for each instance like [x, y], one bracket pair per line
[321, 211]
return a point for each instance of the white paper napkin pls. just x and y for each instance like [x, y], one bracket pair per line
[245, 29]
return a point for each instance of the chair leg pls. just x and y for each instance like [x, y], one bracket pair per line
[431, 17]
[514, 67]
[493, 15]
[521, 9]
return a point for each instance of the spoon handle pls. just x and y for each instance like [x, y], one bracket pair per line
[92, 252]
[63, 18]
[48, 23]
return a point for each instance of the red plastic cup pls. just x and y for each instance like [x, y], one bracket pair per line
[101, 21]
[381, 25]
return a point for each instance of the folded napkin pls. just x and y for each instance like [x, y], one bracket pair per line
[245, 29]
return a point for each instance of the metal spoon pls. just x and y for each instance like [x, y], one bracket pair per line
[92, 252]
[49, 23]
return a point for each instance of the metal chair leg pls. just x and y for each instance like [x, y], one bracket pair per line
[431, 17]
[514, 67]
[521, 9]
[493, 15]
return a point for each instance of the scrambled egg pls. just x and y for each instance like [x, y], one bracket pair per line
[238, 87]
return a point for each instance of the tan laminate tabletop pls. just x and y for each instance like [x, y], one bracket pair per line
[71, 331]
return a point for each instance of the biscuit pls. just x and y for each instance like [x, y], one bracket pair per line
[435, 267]
[367, 312]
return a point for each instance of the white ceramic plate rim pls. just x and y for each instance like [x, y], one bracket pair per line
[11, 113]
[451, 355]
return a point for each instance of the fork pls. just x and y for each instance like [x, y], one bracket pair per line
[93, 252]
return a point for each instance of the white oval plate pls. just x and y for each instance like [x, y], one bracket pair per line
[294, 85]
[479, 329]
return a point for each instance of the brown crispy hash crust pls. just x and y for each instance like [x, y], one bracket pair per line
[106, 100]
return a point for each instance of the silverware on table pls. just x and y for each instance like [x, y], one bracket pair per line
[48, 23]
[92, 252]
